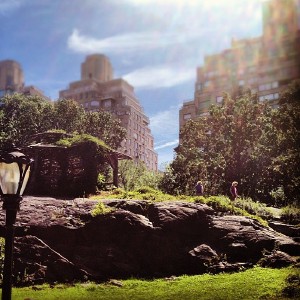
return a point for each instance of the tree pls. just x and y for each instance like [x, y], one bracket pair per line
[103, 125]
[135, 175]
[22, 116]
[286, 162]
[69, 116]
[232, 144]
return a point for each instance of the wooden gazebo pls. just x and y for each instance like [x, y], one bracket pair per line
[68, 170]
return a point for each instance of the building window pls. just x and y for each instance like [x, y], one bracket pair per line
[206, 83]
[187, 116]
[269, 97]
[241, 82]
[107, 103]
[204, 114]
[95, 103]
[252, 80]
[268, 86]
[219, 99]
[211, 74]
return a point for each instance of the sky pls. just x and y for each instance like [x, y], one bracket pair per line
[155, 45]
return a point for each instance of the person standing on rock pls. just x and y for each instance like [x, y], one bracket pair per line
[233, 191]
[199, 188]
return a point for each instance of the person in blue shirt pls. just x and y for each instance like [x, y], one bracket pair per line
[199, 188]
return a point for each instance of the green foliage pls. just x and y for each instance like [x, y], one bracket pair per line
[291, 214]
[69, 116]
[77, 139]
[241, 140]
[292, 288]
[287, 125]
[221, 204]
[142, 193]
[22, 116]
[101, 209]
[254, 208]
[103, 125]
[278, 196]
[101, 181]
[273, 284]
[224, 205]
[133, 175]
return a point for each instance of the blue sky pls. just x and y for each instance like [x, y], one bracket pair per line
[156, 45]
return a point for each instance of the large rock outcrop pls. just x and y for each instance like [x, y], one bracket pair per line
[59, 240]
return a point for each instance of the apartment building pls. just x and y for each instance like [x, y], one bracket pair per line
[98, 90]
[265, 65]
[12, 80]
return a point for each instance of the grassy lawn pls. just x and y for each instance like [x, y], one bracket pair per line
[256, 283]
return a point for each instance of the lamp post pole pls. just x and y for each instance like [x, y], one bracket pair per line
[14, 175]
[11, 204]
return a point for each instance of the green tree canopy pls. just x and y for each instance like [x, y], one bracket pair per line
[103, 125]
[286, 162]
[241, 140]
[22, 116]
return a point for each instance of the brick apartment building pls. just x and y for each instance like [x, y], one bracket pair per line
[265, 65]
[98, 90]
[12, 80]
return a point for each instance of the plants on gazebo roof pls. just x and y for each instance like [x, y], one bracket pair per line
[78, 139]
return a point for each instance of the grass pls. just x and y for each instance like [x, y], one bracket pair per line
[219, 203]
[256, 283]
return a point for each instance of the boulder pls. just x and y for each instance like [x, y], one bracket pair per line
[60, 240]
[36, 262]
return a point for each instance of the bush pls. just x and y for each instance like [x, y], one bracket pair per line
[146, 189]
[101, 209]
[221, 204]
[278, 196]
[254, 208]
[291, 214]
[224, 205]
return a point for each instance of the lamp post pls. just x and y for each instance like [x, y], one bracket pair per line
[14, 175]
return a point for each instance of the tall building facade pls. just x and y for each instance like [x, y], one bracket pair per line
[265, 65]
[11, 76]
[12, 80]
[98, 90]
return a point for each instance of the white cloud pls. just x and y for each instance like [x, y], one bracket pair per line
[167, 145]
[165, 123]
[129, 42]
[159, 76]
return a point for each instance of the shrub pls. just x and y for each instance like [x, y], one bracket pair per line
[146, 189]
[101, 209]
[278, 196]
[254, 208]
[101, 181]
[291, 214]
[224, 205]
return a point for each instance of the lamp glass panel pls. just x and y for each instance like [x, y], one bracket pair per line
[26, 177]
[9, 177]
